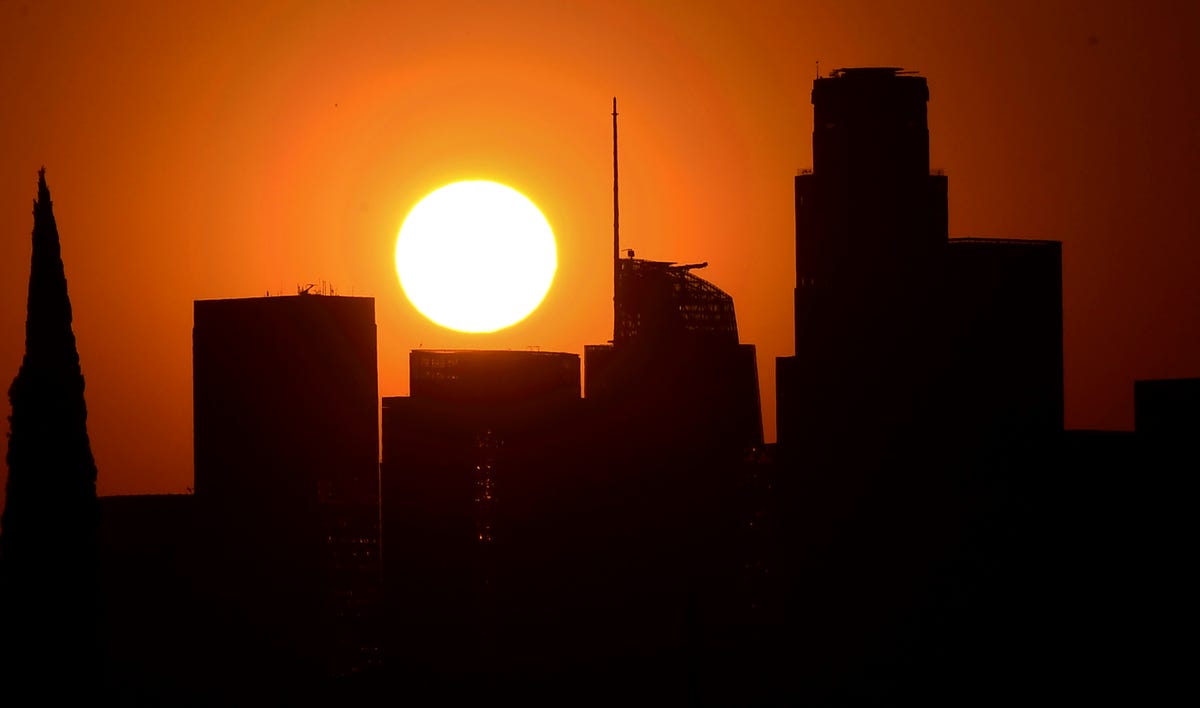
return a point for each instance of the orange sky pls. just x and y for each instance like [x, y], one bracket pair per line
[202, 150]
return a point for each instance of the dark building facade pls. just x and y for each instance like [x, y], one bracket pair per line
[1004, 330]
[287, 485]
[675, 374]
[925, 395]
[481, 483]
[1155, 532]
[674, 401]
[148, 601]
[1167, 408]
[871, 225]
[537, 542]
[858, 404]
[895, 323]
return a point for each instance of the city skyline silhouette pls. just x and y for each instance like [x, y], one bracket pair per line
[519, 540]
[888, 498]
[269, 147]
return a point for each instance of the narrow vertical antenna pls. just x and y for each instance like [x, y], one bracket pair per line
[616, 225]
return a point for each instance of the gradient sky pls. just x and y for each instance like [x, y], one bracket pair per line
[224, 149]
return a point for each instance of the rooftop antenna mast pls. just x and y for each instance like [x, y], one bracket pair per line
[616, 224]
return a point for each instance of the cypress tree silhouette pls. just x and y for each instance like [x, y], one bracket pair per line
[48, 544]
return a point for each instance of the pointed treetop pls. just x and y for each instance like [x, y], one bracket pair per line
[48, 527]
[48, 322]
[43, 210]
[43, 195]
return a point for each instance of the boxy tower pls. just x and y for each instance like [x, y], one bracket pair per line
[481, 489]
[673, 405]
[871, 227]
[287, 484]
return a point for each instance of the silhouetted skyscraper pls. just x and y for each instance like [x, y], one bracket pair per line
[287, 482]
[927, 379]
[676, 375]
[674, 411]
[871, 225]
[481, 489]
[674, 405]
[894, 322]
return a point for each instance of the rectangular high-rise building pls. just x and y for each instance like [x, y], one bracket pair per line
[674, 404]
[481, 485]
[287, 483]
[871, 226]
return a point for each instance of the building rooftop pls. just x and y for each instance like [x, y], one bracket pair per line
[869, 72]
[1044, 243]
[664, 299]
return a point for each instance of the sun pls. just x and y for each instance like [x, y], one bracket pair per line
[476, 256]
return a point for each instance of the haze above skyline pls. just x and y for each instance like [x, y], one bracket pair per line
[229, 151]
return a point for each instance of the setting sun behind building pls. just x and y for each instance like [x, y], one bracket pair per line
[476, 256]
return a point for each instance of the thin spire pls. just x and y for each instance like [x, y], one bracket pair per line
[48, 334]
[616, 222]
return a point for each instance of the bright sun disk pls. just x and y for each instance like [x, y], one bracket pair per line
[476, 256]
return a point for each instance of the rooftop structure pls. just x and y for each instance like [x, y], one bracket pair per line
[663, 301]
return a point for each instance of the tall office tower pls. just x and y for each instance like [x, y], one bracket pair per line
[871, 225]
[287, 485]
[1014, 504]
[858, 403]
[675, 375]
[675, 400]
[927, 374]
[481, 494]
